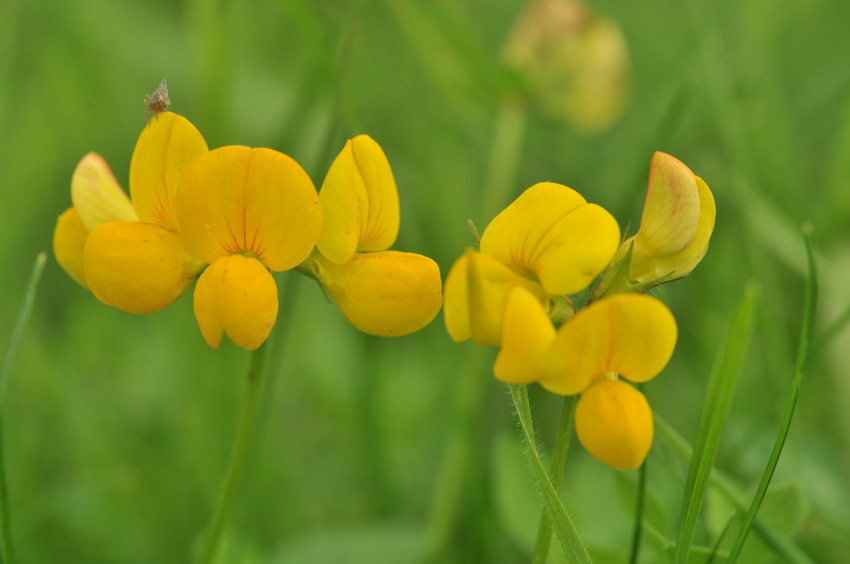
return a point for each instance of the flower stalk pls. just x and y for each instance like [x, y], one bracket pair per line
[556, 474]
[238, 457]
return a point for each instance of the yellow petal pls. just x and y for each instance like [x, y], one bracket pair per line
[168, 144]
[632, 335]
[236, 295]
[614, 423]
[476, 292]
[550, 231]
[137, 267]
[386, 293]
[96, 194]
[527, 334]
[239, 199]
[69, 240]
[678, 219]
[359, 201]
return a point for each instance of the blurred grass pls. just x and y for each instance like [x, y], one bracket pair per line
[117, 426]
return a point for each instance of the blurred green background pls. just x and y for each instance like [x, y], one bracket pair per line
[117, 427]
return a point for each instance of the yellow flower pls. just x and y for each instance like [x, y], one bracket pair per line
[549, 240]
[383, 293]
[246, 212]
[129, 254]
[677, 222]
[627, 335]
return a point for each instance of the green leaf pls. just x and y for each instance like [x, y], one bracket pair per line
[721, 389]
[573, 548]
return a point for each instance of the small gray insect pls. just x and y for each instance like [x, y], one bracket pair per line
[157, 102]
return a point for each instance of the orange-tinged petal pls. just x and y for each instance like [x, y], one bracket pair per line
[69, 240]
[96, 194]
[236, 295]
[677, 222]
[387, 293]
[359, 201]
[527, 334]
[240, 199]
[632, 335]
[672, 209]
[168, 144]
[137, 267]
[614, 423]
[550, 231]
[475, 295]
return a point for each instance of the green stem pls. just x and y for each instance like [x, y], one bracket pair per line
[639, 502]
[556, 473]
[574, 550]
[238, 457]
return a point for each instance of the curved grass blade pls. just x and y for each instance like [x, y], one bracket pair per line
[721, 389]
[573, 548]
[809, 306]
[23, 316]
[6, 545]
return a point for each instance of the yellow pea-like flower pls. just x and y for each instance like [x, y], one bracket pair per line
[246, 212]
[126, 266]
[380, 292]
[627, 335]
[676, 225]
[549, 241]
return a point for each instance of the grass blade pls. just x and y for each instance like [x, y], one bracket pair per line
[574, 549]
[787, 550]
[23, 316]
[6, 544]
[721, 389]
[809, 306]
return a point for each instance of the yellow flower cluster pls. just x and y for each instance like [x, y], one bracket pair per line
[550, 244]
[230, 217]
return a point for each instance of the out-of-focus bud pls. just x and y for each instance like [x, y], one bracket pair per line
[677, 222]
[574, 63]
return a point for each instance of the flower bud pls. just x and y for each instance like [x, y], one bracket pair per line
[574, 63]
[677, 222]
